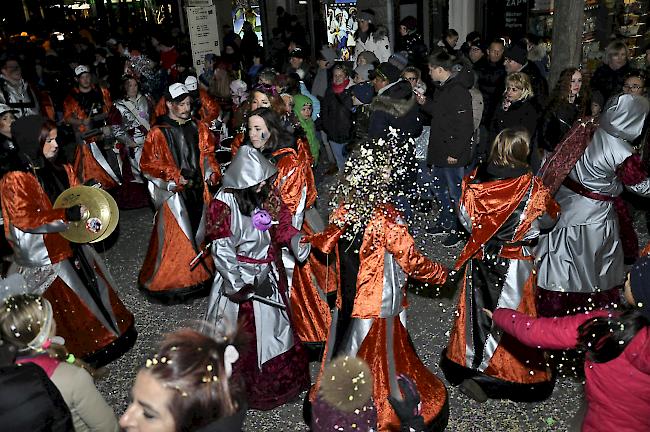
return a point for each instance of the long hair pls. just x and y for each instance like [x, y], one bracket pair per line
[279, 136]
[613, 48]
[22, 319]
[47, 127]
[249, 199]
[510, 149]
[560, 93]
[605, 338]
[192, 364]
[277, 104]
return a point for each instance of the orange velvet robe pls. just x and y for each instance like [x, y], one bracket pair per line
[210, 108]
[86, 165]
[32, 226]
[378, 335]
[319, 275]
[506, 368]
[166, 272]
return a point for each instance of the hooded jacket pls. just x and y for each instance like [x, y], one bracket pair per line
[452, 121]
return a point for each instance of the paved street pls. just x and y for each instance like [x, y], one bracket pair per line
[429, 321]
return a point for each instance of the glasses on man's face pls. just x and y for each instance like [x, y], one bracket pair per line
[632, 87]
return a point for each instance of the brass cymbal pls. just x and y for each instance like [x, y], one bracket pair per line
[95, 221]
[115, 217]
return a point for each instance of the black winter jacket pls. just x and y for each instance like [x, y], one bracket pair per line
[491, 83]
[609, 81]
[452, 121]
[520, 115]
[336, 115]
[555, 123]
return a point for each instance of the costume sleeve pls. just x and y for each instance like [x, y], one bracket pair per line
[21, 205]
[108, 102]
[224, 252]
[72, 175]
[634, 176]
[157, 163]
[545, 333]
[327, 240]
[236, 143]
[117, 126]
[89, 404]
[72, 110]
[210, 108]
[207, 148]
[400, 243]
[292, 187]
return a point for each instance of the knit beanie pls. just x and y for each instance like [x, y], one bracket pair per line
[517, 53]
[362, 71]
[344, 400]
[366, 15]
[640, 284]
[364, 92]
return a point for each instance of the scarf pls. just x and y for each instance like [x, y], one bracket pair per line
[338, 88]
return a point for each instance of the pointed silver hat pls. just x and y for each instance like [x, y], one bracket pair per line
[249, 168]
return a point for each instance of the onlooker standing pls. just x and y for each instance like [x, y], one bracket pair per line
[368, 37]
[411, 41]
[336, 115]
[395, 111]
[568, 102]
[450, 146]
[449, 41]
[516, 60]
[517, 110]
[610, 76]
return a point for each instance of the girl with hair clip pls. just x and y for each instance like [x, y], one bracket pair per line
[617, 345]
[370, 322]
[27, 322]
[187, 386]
[311, 282]
[73, 277]
[504, 207]
[247, 225]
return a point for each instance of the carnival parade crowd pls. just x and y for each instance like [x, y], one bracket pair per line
[533, 183]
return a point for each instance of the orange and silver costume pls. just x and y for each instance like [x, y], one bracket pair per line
[209, 111]
[377, 332]
[504, 209]
[89, 315]
[179, 226]
[89, 161]
[310, 282]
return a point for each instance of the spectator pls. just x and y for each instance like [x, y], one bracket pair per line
[472, 39]
[568, 102]
[27, 323]
[335, 114]
[362, 73]
[517, 110]
[249, 44]
[516, 60]
[450, 142]
[411, 41]
[537, 53]
[449, 41]
[367, 58]
[257, 66]
[297, 65]
[303, 109]
[15, 91]
[363, 94]
[610, 76]
[186, 386]
[369, 37]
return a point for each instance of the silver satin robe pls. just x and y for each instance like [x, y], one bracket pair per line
[583, 252]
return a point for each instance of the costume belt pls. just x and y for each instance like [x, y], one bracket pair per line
[581, 190]
[248, 260]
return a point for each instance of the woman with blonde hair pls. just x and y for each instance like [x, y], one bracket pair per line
[517, 109]
[504, 207]
[609, 77]
[27, 322]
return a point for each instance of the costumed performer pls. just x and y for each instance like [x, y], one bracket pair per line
[581, 261]
[504, 207]
[311, 281]
[90, 316]
[388, 257]
[178, 160]
[246, 253]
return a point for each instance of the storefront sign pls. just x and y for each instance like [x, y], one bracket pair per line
[204, 34]
[516, 15]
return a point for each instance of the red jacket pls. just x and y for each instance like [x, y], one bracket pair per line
[617, 392]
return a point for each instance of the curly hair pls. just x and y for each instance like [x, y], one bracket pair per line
[562, 89]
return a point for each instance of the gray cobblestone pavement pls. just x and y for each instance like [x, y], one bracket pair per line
[429, 321]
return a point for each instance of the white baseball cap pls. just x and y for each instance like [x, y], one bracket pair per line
[81, 69]
[177, 89]
[4, 108]
[191, 83]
